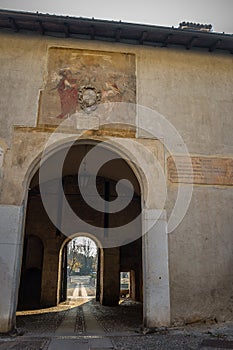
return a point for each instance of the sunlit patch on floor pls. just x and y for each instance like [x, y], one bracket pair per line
[66, 305]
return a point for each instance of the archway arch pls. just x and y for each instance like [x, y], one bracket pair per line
[70, 264]
[117, 146]
[156, 306]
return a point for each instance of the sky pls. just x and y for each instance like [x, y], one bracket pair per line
[157, 12]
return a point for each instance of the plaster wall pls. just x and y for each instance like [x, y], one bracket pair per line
[201, 258]
[194, 91]
[199, 85]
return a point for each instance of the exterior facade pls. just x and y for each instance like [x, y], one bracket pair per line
[159, 116]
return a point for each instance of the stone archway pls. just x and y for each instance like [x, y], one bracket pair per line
[112, 257]
[156, 293]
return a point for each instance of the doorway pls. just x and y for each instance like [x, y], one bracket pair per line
[81, 269]
[56, 282]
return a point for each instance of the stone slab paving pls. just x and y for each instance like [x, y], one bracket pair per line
[92, 329]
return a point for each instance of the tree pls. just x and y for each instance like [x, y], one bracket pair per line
[81, 255]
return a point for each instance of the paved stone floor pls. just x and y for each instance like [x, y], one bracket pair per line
[86, 325]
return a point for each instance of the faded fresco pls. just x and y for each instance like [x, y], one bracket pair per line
[78, 81]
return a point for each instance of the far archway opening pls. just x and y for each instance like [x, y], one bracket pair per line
[81, 268]
[125, 286]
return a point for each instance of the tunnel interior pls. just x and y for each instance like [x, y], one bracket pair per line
[44, 261]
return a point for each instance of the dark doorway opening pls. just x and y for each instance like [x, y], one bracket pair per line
[31, 274]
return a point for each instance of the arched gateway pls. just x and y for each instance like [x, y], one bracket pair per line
[141, 225]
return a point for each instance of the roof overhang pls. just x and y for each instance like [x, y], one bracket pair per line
[112, 31]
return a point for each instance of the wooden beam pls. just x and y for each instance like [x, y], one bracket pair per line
[118, 34]
[93, 32]
[215, 44]
[191, 42]
[166, 40]
[40, 27]
[13, 24]
[143, 37]
[66, 29]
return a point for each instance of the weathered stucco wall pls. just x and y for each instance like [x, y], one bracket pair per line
[194, 91]
[23, 65]
[201, 257]
[197, 84]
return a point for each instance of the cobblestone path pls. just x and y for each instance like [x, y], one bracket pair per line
[86, 325]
